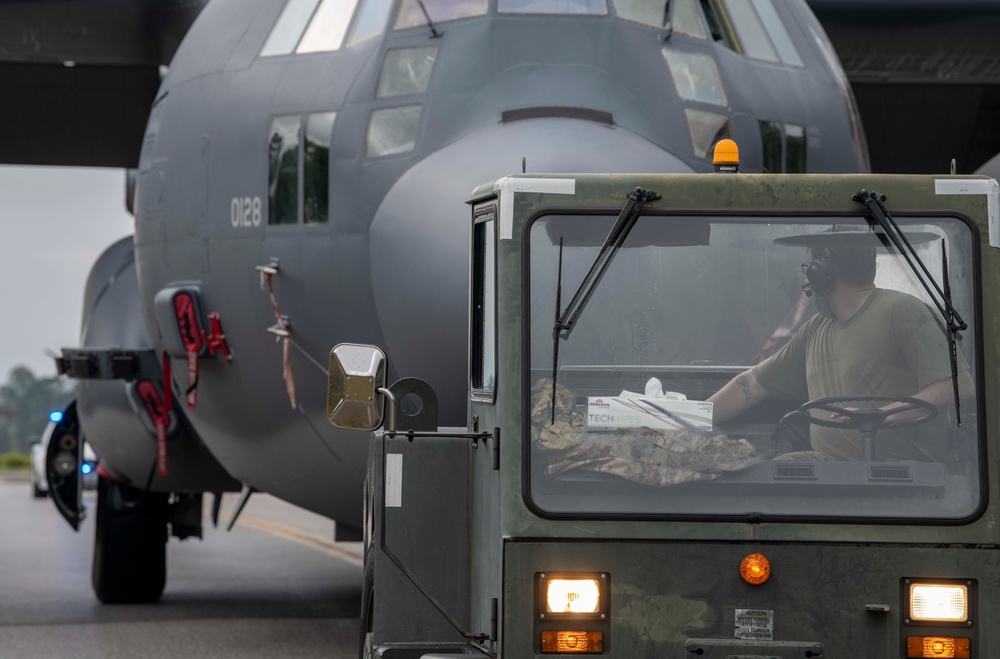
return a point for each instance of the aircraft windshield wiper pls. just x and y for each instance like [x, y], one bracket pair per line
[941, 298]
[566, 319]
[427, 17]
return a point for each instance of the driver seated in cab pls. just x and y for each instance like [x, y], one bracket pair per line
[865, 341]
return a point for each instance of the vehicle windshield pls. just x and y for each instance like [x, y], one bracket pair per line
[691, 303]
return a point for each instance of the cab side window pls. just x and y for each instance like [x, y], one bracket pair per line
[483, 330]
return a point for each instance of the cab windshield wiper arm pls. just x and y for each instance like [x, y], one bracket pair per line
[566, 319]
[619, 232]
[941, 298]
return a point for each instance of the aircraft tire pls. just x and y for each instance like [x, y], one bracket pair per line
[130, 544]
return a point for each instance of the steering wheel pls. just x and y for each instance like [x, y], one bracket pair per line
[867, 420]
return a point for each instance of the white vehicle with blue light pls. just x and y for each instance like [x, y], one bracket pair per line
[39, 483]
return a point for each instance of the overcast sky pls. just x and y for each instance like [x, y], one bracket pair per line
[54, 223]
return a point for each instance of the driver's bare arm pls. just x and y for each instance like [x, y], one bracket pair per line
[737, 396]
[940, 394]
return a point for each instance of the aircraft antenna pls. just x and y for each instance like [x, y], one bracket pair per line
[524, 165]
[954, 166]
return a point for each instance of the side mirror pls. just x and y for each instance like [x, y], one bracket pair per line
[353, 401]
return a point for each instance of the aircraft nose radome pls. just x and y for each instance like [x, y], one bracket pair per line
[420, 235]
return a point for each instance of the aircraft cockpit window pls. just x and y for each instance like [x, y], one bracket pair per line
[393, 130]
[655, 12]
[706, 128]
[771, 139]
[687, 20]
[753, 37]
[411, 15]
[762, 34]
[328, 26]
[783, 43]
[597, 7]
[288, 162]
[718, 24]
[795, 149]
[283, 170]
[695, 76]
[787, 139]
[288, 30]
[316, 26]
[316, 168]
[371, 20]
[406, 71]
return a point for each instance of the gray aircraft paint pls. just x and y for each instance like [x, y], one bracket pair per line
[391, 268]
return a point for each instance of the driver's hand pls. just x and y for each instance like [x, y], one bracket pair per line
[889, 420]
[837, 416]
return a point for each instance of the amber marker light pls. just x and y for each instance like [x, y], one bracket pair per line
[937, 646]
[755, 569]
[572, 642]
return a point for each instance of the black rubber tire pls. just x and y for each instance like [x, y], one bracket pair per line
[130, 544]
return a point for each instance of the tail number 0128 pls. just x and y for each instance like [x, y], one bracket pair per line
[244, 212]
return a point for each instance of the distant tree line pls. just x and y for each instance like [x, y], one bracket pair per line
[25, 404]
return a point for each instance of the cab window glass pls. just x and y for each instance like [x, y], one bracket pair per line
[753, 37]
[328, 26]
[316, 168]
[371, 20]
[283, 170]
[288, 29]
[695, 76]
[411, 15]
[706, 129]
[393, 130]
[552, 7]
[406, 71]
[483, 374]
[782, 41]
[617, 415]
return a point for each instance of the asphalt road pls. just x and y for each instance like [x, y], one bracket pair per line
[275, 586]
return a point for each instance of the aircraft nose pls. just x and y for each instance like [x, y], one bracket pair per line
[420, 235]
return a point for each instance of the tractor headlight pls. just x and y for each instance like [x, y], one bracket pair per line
[931, 602]
[576, 595]
[572, 612]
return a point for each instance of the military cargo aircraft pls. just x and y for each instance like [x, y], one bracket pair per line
[301, 184]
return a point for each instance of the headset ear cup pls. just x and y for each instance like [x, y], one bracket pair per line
[820, 275]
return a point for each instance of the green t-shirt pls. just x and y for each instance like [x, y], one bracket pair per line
[895, 345]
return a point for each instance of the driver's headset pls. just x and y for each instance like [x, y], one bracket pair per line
[821, 274]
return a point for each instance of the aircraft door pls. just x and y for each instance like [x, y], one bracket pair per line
[63, 460]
